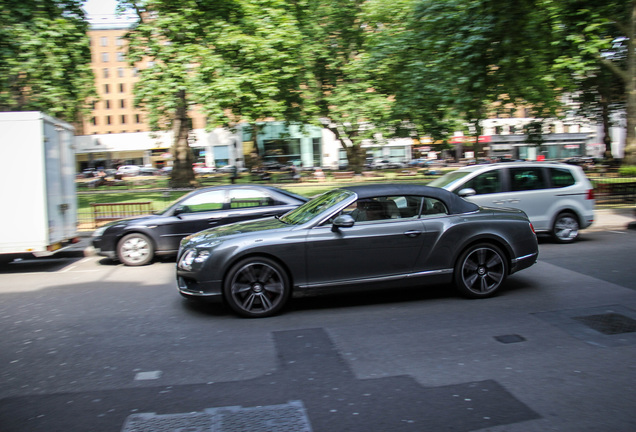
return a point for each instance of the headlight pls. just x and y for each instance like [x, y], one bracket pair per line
[192, 256]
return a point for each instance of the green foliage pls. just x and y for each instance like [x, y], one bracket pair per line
[627, 171]
[45, 58]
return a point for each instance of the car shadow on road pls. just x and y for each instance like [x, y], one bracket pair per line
[379, 296]
[37, 265]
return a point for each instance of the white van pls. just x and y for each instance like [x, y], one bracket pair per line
[558, 198]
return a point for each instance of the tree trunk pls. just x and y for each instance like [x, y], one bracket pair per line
[630, 87]
[355, 156]
[607, 139]
[182, 170]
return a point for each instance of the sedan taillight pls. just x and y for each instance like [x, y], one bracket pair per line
[532, 228]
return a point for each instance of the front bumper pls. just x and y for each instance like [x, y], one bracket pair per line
[192, 289]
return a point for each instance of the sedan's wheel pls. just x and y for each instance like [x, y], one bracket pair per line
[566, 228]
[480, 271]
[135, 250]
[256, 287]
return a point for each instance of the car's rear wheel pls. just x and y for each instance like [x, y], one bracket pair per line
[256, 287]
[565, 228]
[480, 271]
[135, 249]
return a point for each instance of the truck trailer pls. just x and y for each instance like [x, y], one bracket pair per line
[39, 200]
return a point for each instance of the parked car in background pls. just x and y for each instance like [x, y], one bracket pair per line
[128, 170]
[148, 171]
[387, 164]
[357, 237]
[558, 198]
[136, 241]
[202, 170]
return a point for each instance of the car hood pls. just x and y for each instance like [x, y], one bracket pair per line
[133, 220]
[225, 231]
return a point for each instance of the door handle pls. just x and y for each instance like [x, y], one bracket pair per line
[499, 202]
[513, 200]
[413, 233]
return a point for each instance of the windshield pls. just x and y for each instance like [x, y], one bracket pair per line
[316, 206]
[447, 180]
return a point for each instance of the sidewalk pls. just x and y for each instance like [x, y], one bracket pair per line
[613, 219]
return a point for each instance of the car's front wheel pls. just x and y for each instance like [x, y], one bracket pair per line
[256, 287]
[480, 271]
[565, 228]
[135, 249]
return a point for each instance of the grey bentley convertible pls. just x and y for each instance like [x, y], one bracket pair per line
[357, 237]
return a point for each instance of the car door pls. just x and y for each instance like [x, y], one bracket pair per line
[370, 249]
[247, 203]
[529, 192]
[195, 213]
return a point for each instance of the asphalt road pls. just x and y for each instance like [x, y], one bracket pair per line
[89, 345]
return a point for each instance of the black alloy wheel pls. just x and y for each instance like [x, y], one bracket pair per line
[257, 287]
[480, 271]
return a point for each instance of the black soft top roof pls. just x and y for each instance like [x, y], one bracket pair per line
[454, 203]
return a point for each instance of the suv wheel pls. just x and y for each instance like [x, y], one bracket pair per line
[565, 228]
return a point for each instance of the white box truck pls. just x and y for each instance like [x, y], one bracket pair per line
[39, 202]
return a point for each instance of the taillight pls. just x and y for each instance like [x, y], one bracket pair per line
[532, 228]
[590, 194]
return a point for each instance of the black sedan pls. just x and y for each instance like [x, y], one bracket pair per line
[135, 241]
[359, 236]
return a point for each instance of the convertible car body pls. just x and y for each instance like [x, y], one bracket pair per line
[357, 237]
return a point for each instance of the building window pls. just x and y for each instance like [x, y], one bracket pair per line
[119, 41]
[122, 103]
[105, 72]
[94, 121]
[135, 72]
[137, 118]
[105, 57]
[121, 57]
[107, 120]
[103, 41]
[121, 88]
[123, 119]
[120, 72]
[107, 104]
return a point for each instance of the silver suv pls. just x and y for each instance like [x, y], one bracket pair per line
[558, 198]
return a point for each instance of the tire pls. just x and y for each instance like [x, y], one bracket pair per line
[256, 287]
[565, 228]
[480, 271]
[135, 250]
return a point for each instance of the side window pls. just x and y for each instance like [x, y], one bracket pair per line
[206, 201]
[433, 207]
[486, 183]
[379, 208]
[241, 198]
[523, 179]
[561, 177]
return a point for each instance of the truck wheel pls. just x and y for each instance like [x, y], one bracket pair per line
[135, 250]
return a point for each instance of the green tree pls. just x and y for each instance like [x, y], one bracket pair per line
[592, 34]
[236, 61]
[45, 58]
[342, 92]
[469, 59]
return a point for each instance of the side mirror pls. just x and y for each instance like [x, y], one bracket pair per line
[180, 210]
[342, 221]
[467, 192]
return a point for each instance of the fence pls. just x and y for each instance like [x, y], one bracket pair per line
[617, 192]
